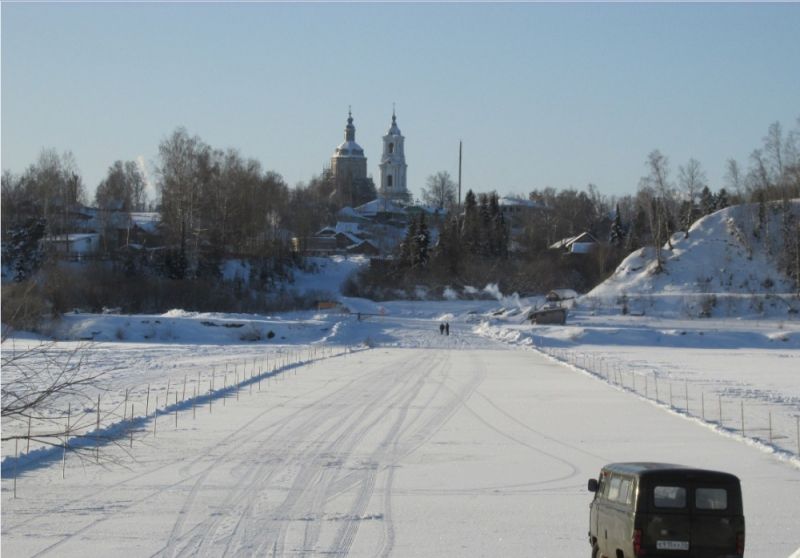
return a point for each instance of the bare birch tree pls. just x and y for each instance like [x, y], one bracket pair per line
[440, 190]
[733, 178]
[658, 195]
[692, 180]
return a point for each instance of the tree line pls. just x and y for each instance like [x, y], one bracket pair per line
[469, 248]
[213, 205]
[216, 204]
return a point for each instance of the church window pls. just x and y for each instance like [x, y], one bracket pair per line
[389, 180]
[391, 148]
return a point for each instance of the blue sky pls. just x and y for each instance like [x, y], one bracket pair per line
[541, 94]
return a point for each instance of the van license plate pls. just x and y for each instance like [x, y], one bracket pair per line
[672, 545]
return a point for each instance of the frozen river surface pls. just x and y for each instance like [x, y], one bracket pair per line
[424, 446]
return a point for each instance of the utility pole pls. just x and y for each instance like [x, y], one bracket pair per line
[459, 173]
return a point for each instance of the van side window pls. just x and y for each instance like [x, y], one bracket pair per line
[625, 491]
[669, 496]
[711, 499]
[613, 489]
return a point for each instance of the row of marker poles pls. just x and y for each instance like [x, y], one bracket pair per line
[282, 360]
[615, 375]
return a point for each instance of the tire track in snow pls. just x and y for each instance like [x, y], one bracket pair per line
[426, 430]
[572, 468]
[232, 440]
[349, 481]
[247, 491]
[343, 446]
[346, 534]
[241, 490]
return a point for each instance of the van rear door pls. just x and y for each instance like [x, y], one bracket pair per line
[717, 520]
[695, 518]
[667, 527]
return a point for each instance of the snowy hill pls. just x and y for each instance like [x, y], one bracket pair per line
[728, 265]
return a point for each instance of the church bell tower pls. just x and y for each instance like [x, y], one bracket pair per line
[393, 165]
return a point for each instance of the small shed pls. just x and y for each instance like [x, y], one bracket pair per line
[583, 243]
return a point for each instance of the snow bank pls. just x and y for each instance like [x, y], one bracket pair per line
[728, 265]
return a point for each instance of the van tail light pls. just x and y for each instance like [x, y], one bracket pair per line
[740, 543]
[637, 542]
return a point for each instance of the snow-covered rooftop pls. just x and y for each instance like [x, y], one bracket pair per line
[513, 201]
[581, 243]
[379, 205]
[348, 227]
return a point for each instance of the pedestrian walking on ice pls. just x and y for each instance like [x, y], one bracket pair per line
[441, 329]
[447, 328]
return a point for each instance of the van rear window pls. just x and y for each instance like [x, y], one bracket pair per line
[711, 499]
[669, 497]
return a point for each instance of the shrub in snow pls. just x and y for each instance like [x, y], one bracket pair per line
[623, 301]
[24, 306]
[707, 305]
[252, 333]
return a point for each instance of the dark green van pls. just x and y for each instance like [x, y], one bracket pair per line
[659, 509]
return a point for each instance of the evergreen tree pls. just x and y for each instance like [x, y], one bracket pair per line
[503, 236]
[485, 238]
[449, 246]
[707, 202]
[421, 243]
[408, 245]
[617, 235]
[722, 200]
[175, 264]
[470, 226]
[499, 229]
[22, 249]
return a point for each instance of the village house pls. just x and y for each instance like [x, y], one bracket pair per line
[583, 243]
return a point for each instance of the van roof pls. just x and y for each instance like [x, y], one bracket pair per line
[647, 469]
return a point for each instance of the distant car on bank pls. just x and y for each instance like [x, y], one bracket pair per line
[660, 509]
[548, 315]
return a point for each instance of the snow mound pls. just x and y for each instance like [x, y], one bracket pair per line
[732, 263]
[196, 328]
[329, 274]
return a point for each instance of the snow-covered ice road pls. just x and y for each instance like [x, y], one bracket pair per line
[456, 446]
